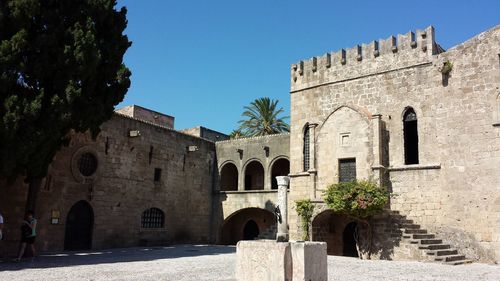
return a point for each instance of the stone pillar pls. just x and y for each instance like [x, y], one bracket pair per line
[377, 168]
[312, 146]
[282, 214]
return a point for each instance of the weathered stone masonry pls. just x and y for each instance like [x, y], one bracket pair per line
[123, 187]
[362, 93]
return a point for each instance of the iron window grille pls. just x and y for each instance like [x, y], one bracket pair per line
[306, 149]
[153, 218]
[87, 164]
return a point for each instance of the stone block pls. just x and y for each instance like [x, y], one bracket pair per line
[263, 260]
[268, 260]
[309, 261]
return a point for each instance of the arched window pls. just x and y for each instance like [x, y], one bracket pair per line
[229, 177]
[254, 176]
[153, 218]
[306, 150]
[410, 136]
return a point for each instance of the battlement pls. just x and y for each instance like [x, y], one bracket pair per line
[402, 50]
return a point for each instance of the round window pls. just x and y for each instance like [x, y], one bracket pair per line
[87, 164]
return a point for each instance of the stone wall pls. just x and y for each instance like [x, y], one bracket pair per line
[123, 187]
[148, 115]
[455, 186]
[265, 150]
[205, 133]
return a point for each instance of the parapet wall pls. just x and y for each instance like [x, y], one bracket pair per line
[384, 55]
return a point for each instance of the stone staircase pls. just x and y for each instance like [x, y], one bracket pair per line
[433, 247]
[269, 233]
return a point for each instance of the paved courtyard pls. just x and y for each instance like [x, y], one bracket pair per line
[196, 263]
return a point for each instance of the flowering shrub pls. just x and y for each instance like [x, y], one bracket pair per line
[358, 199]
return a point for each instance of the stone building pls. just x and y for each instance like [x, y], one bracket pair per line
[139, 183]
[422, 121]
[391, 111]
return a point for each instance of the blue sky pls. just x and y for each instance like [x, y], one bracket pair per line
[202, 61]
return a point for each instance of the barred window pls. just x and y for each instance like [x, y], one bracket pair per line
[306, 148]
[153, 218]
[347, 169]
[87, 164]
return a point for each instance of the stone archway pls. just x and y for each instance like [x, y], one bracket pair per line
[254, 176]
[280, 167]
[246, 224]
[229, 177]
[331, 228]
[251, 230]
[79, 226]
[349, 240]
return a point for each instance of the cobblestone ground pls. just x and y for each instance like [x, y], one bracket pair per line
[197, 263]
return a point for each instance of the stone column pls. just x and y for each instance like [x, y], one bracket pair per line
[312, 146]
[282, 209]
[377, 168]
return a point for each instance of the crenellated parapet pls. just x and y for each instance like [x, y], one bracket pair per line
[403, 50]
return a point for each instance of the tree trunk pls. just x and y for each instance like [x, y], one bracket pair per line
[34, 187]
[363, 242]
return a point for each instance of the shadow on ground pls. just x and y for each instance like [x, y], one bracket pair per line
[67, 259]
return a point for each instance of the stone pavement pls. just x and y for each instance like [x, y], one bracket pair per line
[200, 263]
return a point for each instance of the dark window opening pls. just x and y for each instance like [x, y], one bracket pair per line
[254, 176]
[410, 132]
[347, 169]
[280, 168]
[157, 176]
[229, 177]
[152, 218]
[248, 182]
[306, 150]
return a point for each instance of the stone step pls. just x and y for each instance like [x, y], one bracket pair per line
[430, 241]
[415, 231]
[434, 247]
[442, 252]
[423, 236]
[410, 226]
[450, 258]
[465, 261]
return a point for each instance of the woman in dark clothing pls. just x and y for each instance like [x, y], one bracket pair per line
[28, 235]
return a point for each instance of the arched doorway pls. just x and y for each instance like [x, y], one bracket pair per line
[349, 242]
[251, 230]
[246, 224]
[254, 176]
[79, 224]
[331, 228]
[229, 177]
[281, 167]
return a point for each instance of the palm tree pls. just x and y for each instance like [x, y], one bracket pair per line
[262, 118]
[236, 134]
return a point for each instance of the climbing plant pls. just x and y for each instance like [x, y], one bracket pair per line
[305, 209]
[359, 200]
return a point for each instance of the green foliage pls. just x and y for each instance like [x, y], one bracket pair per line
[236, 134]
[305, 210]
[262, 118]
[60, 69]
[447, 67]
[359, 199]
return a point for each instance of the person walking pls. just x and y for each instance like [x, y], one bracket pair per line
[28, 235]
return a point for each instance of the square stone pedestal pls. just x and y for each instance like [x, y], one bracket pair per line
[268, 260]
